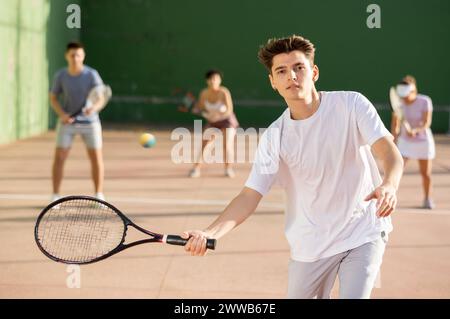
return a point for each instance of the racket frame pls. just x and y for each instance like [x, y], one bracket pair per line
[121, 246]
[106, 93]
[396, 107]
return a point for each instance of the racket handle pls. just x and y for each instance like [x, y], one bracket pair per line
[180, 241]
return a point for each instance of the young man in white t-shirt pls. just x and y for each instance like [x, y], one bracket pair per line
[319, 151]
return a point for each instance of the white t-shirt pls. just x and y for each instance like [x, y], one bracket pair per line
[326, 168]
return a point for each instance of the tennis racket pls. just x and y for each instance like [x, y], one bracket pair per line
[187, 102]
[185, 99]
[101, 93]
[396, 105]
[84, 230]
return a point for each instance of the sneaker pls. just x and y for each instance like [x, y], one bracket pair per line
[55, 197]
[100, 196]
[194, 173]
[229, 172]
[428, 204]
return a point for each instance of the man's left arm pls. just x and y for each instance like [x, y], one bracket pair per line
[99, 104]
[385, 150]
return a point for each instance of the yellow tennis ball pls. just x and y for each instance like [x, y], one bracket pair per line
[147, 140]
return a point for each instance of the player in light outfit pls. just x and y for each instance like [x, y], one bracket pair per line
[320, 151]
[416, 143]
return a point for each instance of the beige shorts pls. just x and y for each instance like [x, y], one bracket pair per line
[91, 134]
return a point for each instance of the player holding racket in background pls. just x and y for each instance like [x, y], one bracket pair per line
[396, 105]
[319, 150]
[215, 104]
[76, 117]
[415, 142]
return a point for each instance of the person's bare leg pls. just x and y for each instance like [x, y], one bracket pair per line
[199, 160]
[405, 159]
[228, 150]
[97, 168]
[195, 172]
[58, 167]
[425, 167]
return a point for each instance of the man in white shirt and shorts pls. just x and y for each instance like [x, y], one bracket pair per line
[320, 151]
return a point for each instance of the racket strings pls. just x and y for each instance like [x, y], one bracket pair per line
[100, 91]
[80, 230]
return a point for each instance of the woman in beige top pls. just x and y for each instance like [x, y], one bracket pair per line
[216, 106]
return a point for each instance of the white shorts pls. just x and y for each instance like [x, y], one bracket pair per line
[417, 150]
[91, 134]
[357, 270]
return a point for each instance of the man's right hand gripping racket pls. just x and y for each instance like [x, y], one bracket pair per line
[84, 230]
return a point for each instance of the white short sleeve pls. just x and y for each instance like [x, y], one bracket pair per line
[429, 105]
[266, 166]
[369, 122]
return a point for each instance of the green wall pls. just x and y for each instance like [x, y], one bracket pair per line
[31, 35]
[148, 48]
[23, 71]
[58, 35]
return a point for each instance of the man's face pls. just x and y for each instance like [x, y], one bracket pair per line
[75, 57]
[292, 75]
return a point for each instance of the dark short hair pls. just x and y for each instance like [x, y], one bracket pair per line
[74, 45]
[276, 46]
[212, 72]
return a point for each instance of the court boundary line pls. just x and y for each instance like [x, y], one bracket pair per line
[206, 202]
[141, 200]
